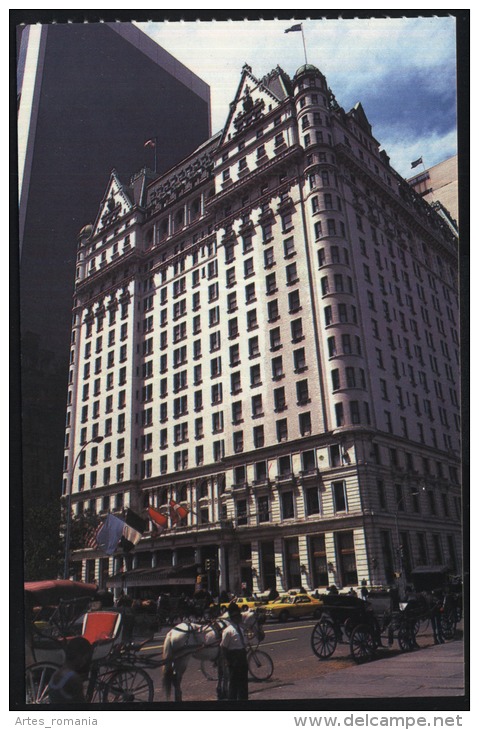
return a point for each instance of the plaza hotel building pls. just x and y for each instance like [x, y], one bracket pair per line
[267, 334]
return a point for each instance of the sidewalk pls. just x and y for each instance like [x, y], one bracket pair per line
[435, 671]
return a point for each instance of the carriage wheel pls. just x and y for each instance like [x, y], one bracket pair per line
[362, 644]
[407, 637]
[37, 679]
[260, 665]
[448, 625]
[348, 627]
[129, 685]
[324, 639]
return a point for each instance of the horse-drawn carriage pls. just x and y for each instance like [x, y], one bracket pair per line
[56, 611]
[364, 625]
[119, 670]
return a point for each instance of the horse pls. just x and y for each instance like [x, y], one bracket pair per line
[200, 641]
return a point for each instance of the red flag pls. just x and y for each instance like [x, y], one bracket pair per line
[177, 512]
[160, 520]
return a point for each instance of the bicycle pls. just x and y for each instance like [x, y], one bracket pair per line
[260, 666]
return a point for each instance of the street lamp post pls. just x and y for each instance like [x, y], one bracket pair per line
[68, 528]
[399, 548]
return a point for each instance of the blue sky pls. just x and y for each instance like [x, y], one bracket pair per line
[403, 71]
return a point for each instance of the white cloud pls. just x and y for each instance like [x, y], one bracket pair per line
[403, 148]
[355, 55]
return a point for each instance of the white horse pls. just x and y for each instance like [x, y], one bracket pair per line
[201, 642]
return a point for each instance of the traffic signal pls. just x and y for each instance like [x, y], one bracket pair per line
[207, 564]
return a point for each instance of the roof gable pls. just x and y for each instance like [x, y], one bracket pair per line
[254, 98]
[359, 116]
[115, 204]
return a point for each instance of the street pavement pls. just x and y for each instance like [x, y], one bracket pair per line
[433, 671]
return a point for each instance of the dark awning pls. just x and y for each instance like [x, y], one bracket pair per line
[182, 575]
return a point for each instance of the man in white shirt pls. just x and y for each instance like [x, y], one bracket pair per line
[233, 644]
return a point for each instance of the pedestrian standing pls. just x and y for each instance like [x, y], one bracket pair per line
[233, 645]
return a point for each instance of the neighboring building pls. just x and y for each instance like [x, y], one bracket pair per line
[89, 97]
[267, 335]
[439, 186]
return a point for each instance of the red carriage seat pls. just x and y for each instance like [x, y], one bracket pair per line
[101, 628]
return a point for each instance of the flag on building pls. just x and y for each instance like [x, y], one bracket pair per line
[417, 162]
[109, 534]
[294, 28]
[160, 520]
[91, 537]
[150, 143]
[134, 527]
[177, 512]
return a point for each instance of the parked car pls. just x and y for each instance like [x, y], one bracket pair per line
[297, 606]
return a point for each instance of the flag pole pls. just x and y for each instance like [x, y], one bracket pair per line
[304, 45]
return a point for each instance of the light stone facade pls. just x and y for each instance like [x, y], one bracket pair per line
[267, 334]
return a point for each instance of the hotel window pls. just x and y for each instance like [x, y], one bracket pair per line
[214, 316]
[250, 293]
[235, 383]
[302, 392]
[234, 355]
[271, 284]
[294, 301]
[253, 347]
[339, 496]
[263, 509]
[217, 422]
[233, 329]
[215, 367]
[291, 274]
[237, 412]
[279, 399]
[299, 360]
[305, 423]
[287, 222]
[267, 229]
[255, 375]
[288, 247]
[230, 277]
[218, 450]
[232, 302]
[215, 342]
[277, 367]
[318, 232]
[216, 393]
[258, 437]
[287, 505]
[282, 430]
[248, 268]
[354, 411]
[339, 412]
[251, 319]
[257, 406]
[273, 310]
[331, 223]
[269, 257]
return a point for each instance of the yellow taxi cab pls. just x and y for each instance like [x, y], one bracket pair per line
[245, 604]
[294, 606]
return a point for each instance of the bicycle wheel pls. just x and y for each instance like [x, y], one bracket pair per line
[129, 685]
[362, 644]
[209, 670]
[324, 639]
[37, 679]
[260, 665]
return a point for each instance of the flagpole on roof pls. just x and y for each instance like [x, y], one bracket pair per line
[304, 44]
[153, 142]
[294, 29]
